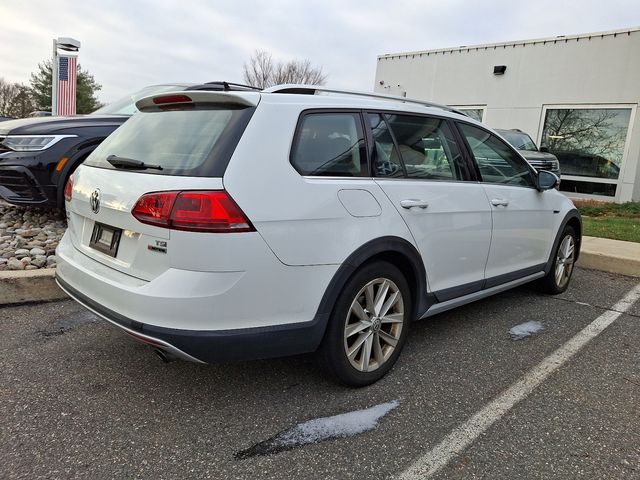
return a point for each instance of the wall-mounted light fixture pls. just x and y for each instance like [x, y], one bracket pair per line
[499, 69]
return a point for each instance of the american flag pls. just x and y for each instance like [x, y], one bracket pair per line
[67, 74]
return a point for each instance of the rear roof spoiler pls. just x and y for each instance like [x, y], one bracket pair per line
[247, 99]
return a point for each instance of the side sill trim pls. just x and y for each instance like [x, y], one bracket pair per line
[457, 302]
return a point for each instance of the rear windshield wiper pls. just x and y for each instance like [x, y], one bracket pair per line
[121, 162]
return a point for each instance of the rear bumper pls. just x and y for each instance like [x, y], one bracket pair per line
[209, 316]
[207, 346]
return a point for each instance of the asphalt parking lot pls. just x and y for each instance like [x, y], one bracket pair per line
[78, 399]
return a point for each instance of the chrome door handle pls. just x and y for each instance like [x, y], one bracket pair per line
[414, 203]
[499, 202]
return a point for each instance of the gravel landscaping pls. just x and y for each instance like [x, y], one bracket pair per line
[29, 237]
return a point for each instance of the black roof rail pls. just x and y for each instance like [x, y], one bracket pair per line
[313, 90]
[223, 86]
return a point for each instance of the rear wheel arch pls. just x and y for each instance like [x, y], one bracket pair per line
[394, 250]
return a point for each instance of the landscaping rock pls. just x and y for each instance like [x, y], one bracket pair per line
[29, 237]
[15, 264]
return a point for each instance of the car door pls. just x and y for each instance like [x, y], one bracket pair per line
[420, 167]
[522, 216]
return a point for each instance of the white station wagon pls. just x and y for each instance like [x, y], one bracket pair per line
[224, 223]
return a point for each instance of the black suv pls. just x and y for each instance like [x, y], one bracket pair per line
[37, 155]
[540, 159]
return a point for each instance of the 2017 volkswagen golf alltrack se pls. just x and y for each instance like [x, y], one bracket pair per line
[252, 224]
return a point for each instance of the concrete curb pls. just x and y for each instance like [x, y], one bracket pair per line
[597, 253]
[613, 256]
[29, 286]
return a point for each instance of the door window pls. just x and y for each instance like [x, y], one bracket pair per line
[427, 147]
[497, 162]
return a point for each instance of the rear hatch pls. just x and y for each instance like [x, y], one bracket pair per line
[178, 143]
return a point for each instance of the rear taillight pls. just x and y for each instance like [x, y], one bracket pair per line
[68, 189]
[194, 211]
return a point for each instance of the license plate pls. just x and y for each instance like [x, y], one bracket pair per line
[105, 239]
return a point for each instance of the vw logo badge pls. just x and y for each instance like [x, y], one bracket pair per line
[94, 201]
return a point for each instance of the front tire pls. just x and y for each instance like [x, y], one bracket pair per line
[368, 326]
[557, 280]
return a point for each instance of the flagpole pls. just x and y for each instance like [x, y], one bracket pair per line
[54, 79]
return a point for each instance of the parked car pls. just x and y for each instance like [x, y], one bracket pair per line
[242, 225]
[38, 154]
[40, 113]
[2, 119]
[539, 158]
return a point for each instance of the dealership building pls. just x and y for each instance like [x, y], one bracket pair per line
[576, 95]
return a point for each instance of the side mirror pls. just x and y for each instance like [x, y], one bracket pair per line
[547, 180]
[544, 149]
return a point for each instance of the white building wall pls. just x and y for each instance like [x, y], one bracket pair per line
[601, 68]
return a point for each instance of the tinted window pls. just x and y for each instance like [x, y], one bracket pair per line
[330, 144]
[519, 140]
[427, 147]
[189, 140]
[386, 161]
[497, 162]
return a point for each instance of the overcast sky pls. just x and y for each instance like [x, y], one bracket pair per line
[129, 44]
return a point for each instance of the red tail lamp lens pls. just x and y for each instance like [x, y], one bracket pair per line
[193, 211]
[155, 208]
[68, 189]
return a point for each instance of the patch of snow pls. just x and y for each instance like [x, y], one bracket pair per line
[324, 428]
[343, 425]
[525, 329]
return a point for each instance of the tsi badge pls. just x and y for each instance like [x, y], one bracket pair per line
[160, 246]
[94, 200]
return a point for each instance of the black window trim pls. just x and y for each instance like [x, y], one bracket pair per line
[534, 173]
[468, 161]
[296, 139]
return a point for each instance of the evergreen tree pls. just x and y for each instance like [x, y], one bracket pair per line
[86, 89]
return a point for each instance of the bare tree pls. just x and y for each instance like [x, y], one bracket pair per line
[263, 71]
[15, 100]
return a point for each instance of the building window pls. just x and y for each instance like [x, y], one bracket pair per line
[589, 142]
[475, 112]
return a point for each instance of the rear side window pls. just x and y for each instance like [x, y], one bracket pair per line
[330, 144]
[427, 147]
[497, 162]
[194, 140]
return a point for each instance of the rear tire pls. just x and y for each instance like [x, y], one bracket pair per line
[559, 276]
[368, 326]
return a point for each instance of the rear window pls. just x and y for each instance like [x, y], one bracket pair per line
[330, 144]
[194, 140]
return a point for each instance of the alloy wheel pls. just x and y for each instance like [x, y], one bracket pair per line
[565, 260]
[374, 324]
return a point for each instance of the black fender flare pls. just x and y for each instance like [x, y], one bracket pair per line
[574, 217]
[377, 248]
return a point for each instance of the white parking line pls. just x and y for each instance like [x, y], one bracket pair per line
[455, 442]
